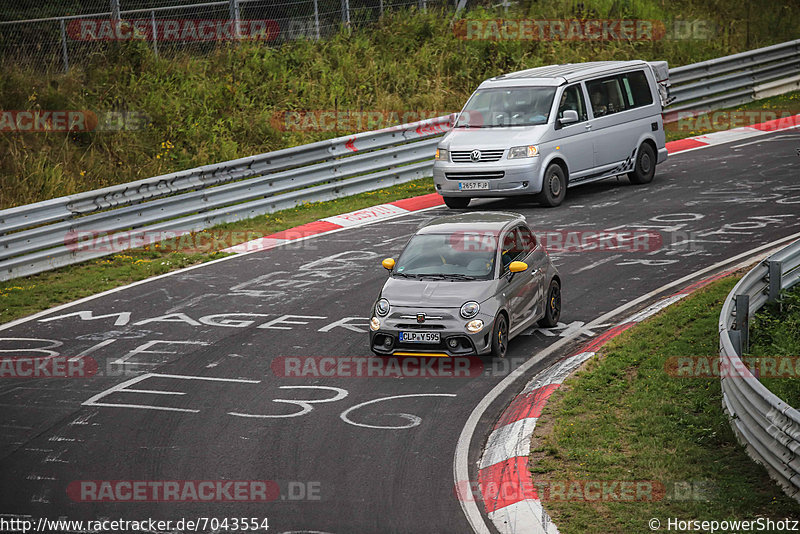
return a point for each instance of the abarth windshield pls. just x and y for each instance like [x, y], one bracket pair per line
[507, 106]
[455, 256]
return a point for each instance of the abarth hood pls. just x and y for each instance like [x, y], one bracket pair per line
[492, 138]
[427, 293]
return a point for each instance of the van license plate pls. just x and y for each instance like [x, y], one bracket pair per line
[472, 186]
[419, 337]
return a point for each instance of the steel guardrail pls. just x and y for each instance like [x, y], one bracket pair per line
[768, 427]
[40, 237]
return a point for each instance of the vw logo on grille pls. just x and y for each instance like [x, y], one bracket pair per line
[420, 317]
[475, 155]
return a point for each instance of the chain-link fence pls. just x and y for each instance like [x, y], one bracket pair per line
[74, 30]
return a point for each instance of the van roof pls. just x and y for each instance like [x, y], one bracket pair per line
[560, 74]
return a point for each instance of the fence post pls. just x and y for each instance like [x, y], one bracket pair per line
[381, 8]
[743, 320]
[316, 17]
[115, 11]
[233, 15]
[346, 12]
[155, 32]
[64, 45]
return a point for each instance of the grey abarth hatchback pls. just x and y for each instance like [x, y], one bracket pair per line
[465, 285]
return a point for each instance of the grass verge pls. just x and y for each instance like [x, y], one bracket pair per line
[24, 296]
[775, 332]
[623, 418]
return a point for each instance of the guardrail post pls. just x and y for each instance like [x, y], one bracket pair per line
[743, 321]
[64, 53]
[775, 275]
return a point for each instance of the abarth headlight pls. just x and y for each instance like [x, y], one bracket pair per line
[470, 309]
[374, 324]
[382, 307]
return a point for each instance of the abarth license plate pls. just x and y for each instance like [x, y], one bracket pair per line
[419, 337]
[473, 186]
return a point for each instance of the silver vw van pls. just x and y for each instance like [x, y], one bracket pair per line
[542, 130]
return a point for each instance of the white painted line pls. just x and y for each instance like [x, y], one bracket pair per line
[527, 514]
[508, 441]
[461, 457]
[655, 308]
[255, 245]
[91, 350]
[122, 388]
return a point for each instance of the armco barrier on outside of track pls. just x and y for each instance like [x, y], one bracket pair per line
[398, 207]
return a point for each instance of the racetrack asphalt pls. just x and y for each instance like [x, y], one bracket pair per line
[339, 464]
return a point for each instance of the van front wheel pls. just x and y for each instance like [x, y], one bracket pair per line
[554, 186]
[645, 167]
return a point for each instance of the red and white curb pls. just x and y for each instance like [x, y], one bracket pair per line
[735, 134]
[327, 225]
[508, 493]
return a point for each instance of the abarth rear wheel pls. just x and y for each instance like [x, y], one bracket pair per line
[552, 311]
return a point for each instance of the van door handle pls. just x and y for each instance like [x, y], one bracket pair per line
[588, 126]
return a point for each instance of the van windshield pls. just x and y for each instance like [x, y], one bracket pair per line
[507, 106]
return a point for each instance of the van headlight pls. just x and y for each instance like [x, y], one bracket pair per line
[523, 152]
[442, 154]
[470, 309]
[382, 307]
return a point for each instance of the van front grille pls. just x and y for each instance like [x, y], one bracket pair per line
[486, 156]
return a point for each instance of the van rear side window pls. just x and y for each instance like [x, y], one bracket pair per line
[619, 93]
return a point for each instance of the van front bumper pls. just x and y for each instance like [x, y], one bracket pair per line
[505, 178]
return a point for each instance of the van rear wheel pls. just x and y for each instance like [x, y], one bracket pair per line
[645, 167]
[457, 203]
[554, 186]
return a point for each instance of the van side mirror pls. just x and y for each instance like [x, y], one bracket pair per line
[569, 116]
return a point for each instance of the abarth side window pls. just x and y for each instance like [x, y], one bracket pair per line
[527, 239]
[512, 248]
[572, 98]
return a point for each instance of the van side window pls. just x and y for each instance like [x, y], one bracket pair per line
[637, 90]
[572, 98]
[606, 96]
